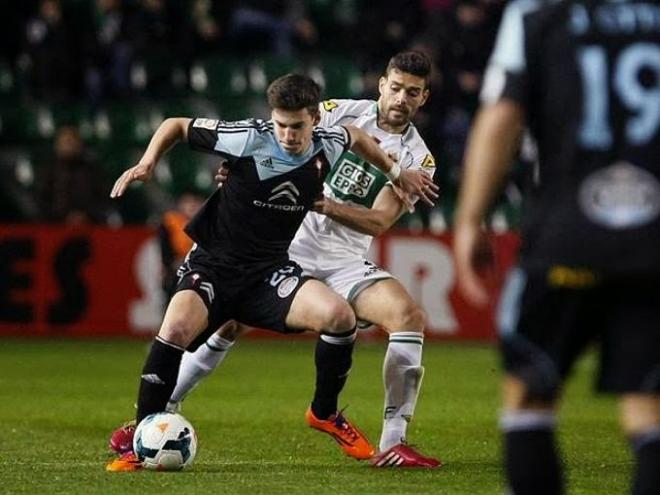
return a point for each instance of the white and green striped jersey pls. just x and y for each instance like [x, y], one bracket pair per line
[353, 180]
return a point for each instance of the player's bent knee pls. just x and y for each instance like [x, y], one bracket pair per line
[538, 377]
[415, 319]
[408, 317]
[517, 396]
[178, 331]
[338, 317]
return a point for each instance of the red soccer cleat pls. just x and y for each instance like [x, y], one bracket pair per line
[121, 440]
[351, 440]
[402, 455]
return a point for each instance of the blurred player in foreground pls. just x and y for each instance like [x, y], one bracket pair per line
[585, 77]
[331, 245]
[239, 267]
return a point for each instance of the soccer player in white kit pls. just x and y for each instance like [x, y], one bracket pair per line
[360, 203]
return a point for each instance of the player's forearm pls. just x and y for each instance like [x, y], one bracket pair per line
[493, 141]
[365, 221]
[169, 132]
[365, 147]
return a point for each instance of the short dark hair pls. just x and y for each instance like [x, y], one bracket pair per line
[294, 92]
[412, 62]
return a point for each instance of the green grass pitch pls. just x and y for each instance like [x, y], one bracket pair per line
[59, 401]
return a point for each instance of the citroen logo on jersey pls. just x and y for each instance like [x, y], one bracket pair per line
[285, 190]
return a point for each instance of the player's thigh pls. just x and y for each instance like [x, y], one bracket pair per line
[542, 330]
[287, 301]
[185, 318]
[317, 307]
[639, 412]
[387, 303]
[630, 355]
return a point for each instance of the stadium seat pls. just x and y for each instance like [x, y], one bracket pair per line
[158, 75]
[8, 87]
[127, 123]
[342, 79]
[190, 171]
[26, 123]
[266, 69]
[218, 77]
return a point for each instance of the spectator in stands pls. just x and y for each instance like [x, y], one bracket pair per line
[388, 28]
[50, 53]
[109, 54]
[174, 242]
[158, 38]
[276, 26]
[72, 190]
[207, 26]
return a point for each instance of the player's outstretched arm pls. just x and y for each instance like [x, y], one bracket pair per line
[169, 132]
[386, 210]
[412, 182]
[491, 146]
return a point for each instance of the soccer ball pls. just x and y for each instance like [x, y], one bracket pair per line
[165, 442]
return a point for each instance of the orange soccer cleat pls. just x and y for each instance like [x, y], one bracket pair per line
[402, 455]
[352, 441]
[127, 462]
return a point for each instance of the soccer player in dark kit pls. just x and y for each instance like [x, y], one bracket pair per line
[239, 267]
[584, 76]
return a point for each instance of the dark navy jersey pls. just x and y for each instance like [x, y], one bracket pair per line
[587, 73]
[248, 224]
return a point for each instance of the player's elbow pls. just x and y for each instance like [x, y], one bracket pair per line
[178, 126]
[381, 224]
[378, 228]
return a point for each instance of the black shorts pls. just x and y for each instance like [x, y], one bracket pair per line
[544, 328]
[264, 302]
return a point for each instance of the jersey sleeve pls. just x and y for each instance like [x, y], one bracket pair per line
[335, 141]
[417, 157]
[336, 112]
[506, 75]
[229, 139]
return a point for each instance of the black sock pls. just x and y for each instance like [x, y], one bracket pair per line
[158, 377]
[333, 359]
[532, 463]
[646, 480]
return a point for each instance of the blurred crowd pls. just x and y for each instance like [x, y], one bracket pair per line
[146, 54]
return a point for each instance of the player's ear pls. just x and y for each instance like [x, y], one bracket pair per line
[316, 116]
[381, 84]
[425, 96]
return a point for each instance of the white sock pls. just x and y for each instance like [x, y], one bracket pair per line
[196, 365]
[402, 377]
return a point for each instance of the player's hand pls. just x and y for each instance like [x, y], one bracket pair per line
[143, 171]
[405, 198]
[474, 259]
[221, 175]
[417, 183]
[323, 205]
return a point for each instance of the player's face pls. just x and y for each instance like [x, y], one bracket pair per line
[293, 129]
[401, 95]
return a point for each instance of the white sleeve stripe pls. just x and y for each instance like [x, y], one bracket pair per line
[245, 127]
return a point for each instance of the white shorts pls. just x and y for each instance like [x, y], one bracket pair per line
[347, 280]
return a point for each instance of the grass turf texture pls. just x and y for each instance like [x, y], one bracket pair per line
[60, 400]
